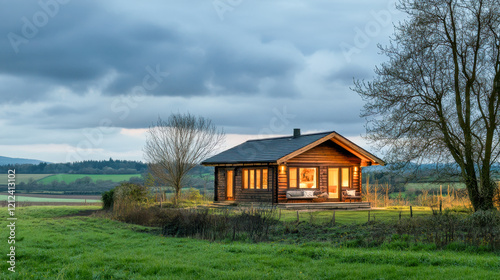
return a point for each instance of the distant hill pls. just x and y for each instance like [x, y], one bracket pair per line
[8, 160]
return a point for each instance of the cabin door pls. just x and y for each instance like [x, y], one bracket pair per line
[229, 185]
[333, 184]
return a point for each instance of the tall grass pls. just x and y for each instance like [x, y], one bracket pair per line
[53, 245]
[381, 195]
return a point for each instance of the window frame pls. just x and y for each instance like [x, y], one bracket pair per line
[350, 179]
[297, 177]
[349, 175]
[248, 181]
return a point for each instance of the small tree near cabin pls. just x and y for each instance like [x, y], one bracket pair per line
[175, 146]
[437, 99]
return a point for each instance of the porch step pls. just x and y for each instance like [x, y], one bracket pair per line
[325, 205]
[222, 204]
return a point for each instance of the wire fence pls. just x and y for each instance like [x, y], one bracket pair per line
[381, 195]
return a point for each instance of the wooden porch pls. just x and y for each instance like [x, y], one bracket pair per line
[297, 206]
[325, 206]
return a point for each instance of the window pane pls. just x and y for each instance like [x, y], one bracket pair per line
[345, 177]
[252, 178]
[293, 177]
[245, 178]
[264, 179]
[257, 179]
[229, 185]
[333, 182]
[307, 178]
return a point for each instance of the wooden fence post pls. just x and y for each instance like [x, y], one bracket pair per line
[298, 219]
[333, 218]
[411, 212]
[368, 215]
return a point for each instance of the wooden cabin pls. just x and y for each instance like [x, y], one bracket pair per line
[319, 167]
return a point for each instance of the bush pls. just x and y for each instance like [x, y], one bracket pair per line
[128, 198]
[219, 225]
[107, 199]
[194, 195]
[484, 219]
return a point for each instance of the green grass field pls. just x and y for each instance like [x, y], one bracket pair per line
[46, 199]
[23, 178]
[51, 246]
[357, 216]
[68, 178]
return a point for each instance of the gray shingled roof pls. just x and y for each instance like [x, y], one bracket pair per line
[265, 150]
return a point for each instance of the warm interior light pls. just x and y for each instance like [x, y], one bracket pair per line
[356, 168]
[282, 168]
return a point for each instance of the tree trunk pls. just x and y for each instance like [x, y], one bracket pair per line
[481, 192]
[177, 194]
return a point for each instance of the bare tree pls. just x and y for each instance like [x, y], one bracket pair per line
[175, 146]
[437, 98]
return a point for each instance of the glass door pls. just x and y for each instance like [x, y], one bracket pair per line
[229, 185]
[333, 184]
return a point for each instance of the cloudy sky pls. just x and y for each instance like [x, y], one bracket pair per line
[84, 79]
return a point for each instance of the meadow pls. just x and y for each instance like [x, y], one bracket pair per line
[68, 199]
[353, 216]
[56, 243]
[67, 178]
[70, 178]
[24, 178]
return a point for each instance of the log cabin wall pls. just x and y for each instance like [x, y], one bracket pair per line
[240, 194]
[323, 179]
[325, 155]
[220, 184]
[356, 177]
[282, 183]
[253, 195]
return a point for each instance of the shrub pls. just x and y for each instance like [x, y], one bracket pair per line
[128, 197]
[107, 199]
[219, 224]
[194, 195]
[484, 219]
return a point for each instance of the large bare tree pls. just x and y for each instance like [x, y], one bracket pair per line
[437, 97]
[175, 146]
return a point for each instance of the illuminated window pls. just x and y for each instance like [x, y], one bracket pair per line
[292, 177]
[252, 179]
[255, 178]
[305, 177]
[245, 179]
[345, 177]
[264, 179]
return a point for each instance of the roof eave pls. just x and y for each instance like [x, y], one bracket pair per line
[341, 141]
[357, 150]
[305, 148]
[239, 163]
